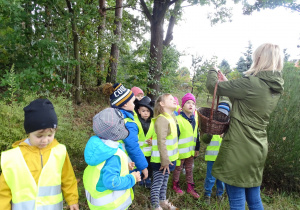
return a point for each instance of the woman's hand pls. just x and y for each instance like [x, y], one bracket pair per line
[221, 77]
[164, 168]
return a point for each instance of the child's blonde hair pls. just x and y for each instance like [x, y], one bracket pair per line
[265, 58]
[158, 109]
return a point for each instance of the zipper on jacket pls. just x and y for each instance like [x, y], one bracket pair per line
[41, 159]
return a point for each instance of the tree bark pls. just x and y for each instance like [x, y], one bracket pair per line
[156, 47]
[114, 54]
[76, 53]
[101, 47]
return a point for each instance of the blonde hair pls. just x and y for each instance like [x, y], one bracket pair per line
[267, 57]
[158, 109]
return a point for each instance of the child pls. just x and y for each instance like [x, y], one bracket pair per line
[106, 179]
[164, 150]
[211, 154]
[188, 136]
[37, 172]
[144, 109]
[138, 93]
[178, 108]
[122, 99]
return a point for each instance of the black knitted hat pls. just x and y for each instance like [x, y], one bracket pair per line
[39, 114]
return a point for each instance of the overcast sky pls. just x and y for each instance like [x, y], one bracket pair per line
[195, 35]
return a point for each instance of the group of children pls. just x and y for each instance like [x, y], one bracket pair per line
[136, 140]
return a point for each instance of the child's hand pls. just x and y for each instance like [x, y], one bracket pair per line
[145, 172]
[164, 168]
[149, 141]
[131, 166]
[196, 153]
[74, 207]
[137, 176]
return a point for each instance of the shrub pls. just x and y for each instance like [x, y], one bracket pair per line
[282, 169]
[69, 132]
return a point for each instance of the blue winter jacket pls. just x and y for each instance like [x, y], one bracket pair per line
[132, 142]
[95, 153]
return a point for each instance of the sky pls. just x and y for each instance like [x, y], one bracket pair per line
[194, 35]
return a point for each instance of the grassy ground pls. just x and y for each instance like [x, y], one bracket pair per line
[271, 199]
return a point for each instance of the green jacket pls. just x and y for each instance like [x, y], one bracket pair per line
[244, 148]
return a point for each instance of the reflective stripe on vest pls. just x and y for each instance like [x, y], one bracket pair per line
[171, 141]
[47, 194]
[188, 137]
[107, 199]
[213, 148]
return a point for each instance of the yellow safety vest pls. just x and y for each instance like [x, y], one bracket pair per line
[108, 199]
[26, 194]
[213, 148]
[188, 137]
[146, 148]
[172, 141]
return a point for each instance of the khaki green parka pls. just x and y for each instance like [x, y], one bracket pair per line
[244, 148]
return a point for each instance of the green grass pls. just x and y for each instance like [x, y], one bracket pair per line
[271, 200]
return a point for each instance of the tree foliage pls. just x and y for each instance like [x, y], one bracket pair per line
[245, 61]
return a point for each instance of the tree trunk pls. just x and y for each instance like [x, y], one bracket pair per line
[156, 47]
[76, 53]
[114, 53]
[101, 47]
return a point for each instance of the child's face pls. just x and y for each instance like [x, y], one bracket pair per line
[169, 103]
[129, 105]
[139, 96]
[144, 112]
[189, 107]
[41, 138]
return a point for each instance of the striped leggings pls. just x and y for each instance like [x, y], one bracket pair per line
[159, 187]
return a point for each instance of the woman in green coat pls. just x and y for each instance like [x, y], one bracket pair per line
[244, 149]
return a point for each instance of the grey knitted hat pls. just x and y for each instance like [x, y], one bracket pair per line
[109, 124]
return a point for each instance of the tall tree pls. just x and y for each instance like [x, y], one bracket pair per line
[225, 67]
[156, 19]
[76, 52]
[101, 47]
[114, 54]
[245, 61]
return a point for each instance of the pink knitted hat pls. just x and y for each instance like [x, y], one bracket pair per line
[187, 97]
[176, 99]
[136, 90]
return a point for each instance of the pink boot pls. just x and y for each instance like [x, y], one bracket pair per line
[190, 190]
[176, 188]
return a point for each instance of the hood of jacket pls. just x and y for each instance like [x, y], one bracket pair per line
[127, 114]
[273, 79]
[24, 145]
[98, 150]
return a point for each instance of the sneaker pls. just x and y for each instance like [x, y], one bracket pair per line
[192, 191]
[207, 199]
[176, 188]
[166, 205]
[158, 208]
[220, 198]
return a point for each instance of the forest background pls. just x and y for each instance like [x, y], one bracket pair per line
[65, 51]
